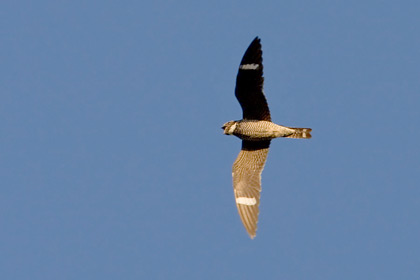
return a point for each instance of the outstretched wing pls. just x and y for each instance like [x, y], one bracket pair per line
[246, 173]
[249, 84]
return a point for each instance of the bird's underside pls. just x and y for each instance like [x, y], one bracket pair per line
[256, 131]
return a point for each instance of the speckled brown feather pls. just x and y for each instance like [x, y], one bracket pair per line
[246, 173]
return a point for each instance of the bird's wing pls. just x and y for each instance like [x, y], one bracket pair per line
[246, 173]
[249, 84]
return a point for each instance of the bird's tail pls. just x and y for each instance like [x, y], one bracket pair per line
[304, 133]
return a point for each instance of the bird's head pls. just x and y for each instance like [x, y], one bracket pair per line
[229, 127]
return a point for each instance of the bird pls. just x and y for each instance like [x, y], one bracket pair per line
[256, 130]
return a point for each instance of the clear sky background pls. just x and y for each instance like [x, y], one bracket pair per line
[113, 164]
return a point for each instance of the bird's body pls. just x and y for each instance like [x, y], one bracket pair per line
[256, 131]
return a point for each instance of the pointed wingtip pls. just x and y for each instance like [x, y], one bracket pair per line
[252, 233]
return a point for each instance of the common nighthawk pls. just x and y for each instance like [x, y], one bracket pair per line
[256, 131]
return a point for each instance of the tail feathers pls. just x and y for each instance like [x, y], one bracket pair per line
[304, 133]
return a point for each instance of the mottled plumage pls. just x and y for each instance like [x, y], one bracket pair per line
[256, 131]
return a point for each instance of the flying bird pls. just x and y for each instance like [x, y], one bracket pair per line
[256, 131]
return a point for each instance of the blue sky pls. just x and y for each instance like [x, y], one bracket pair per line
[113, 164]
